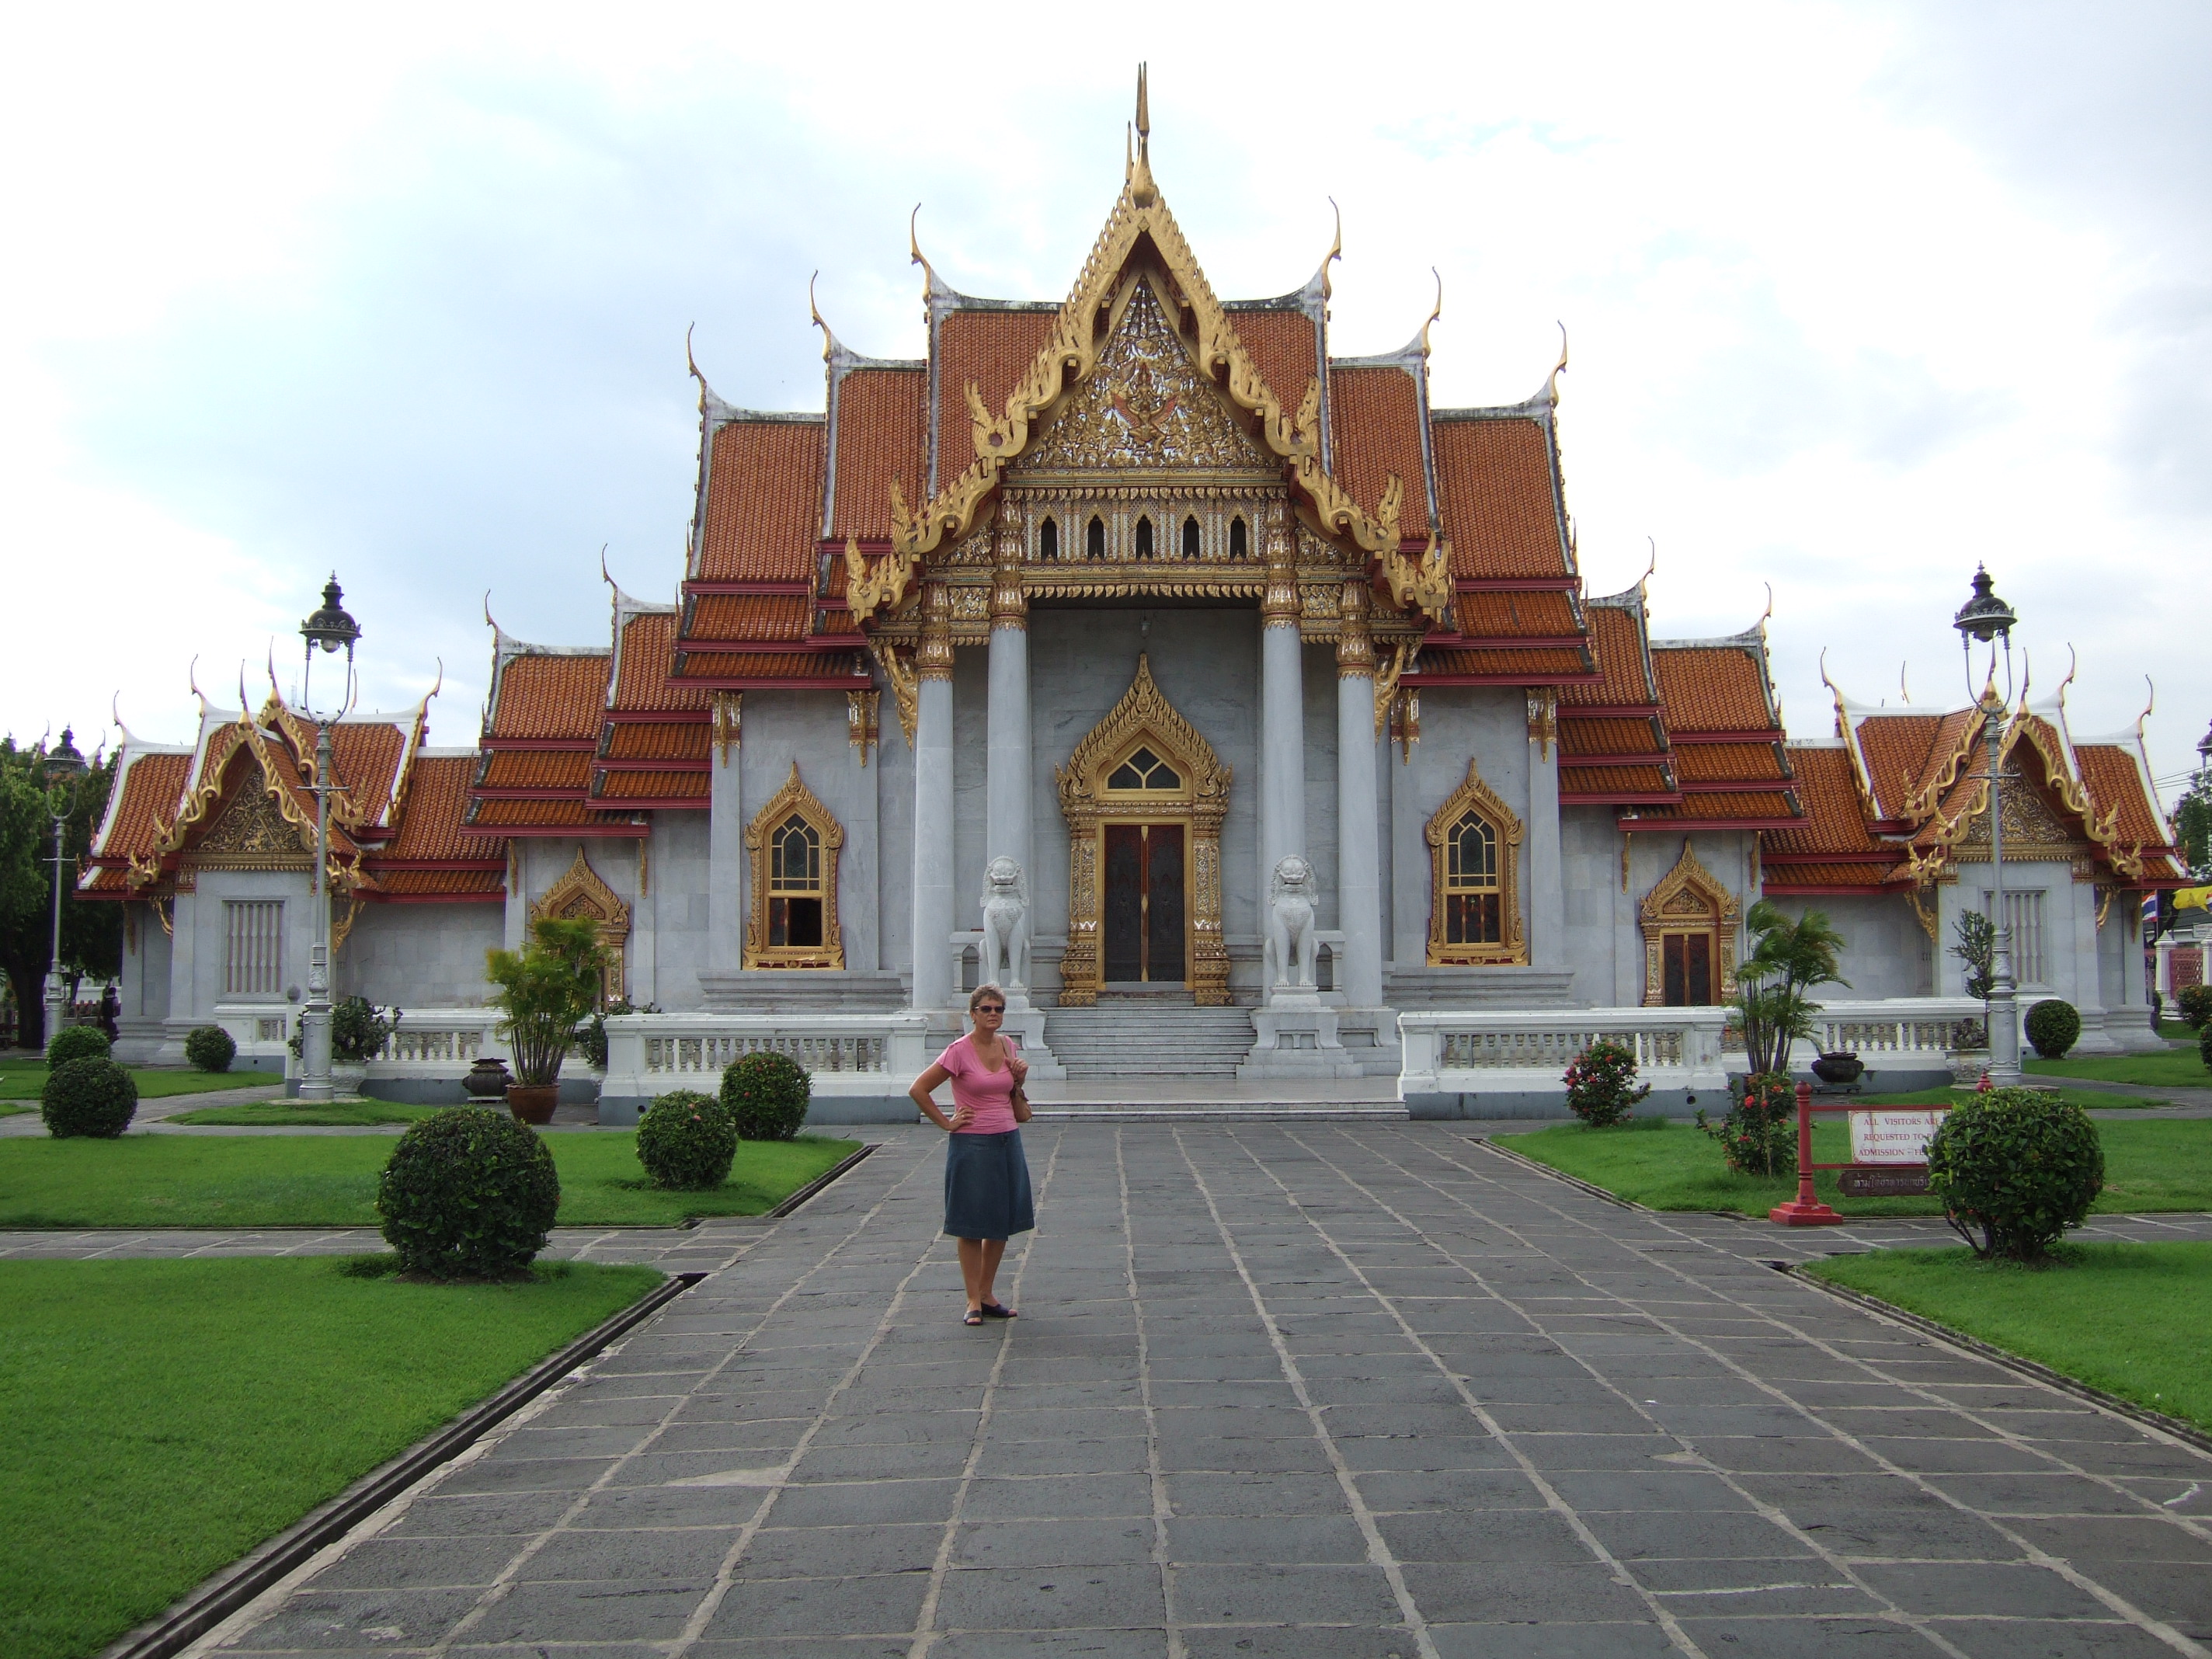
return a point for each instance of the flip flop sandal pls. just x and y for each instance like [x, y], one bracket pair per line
[972, 1317]
[993, 1310]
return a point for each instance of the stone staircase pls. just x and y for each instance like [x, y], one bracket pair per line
[1145, 1037]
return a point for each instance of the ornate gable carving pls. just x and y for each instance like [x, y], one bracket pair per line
[1144, 407]
[252, 832]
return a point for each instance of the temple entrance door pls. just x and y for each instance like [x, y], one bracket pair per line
[1143, 919]
[1687, 968]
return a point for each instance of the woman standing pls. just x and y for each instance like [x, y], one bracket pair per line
[986, 1180]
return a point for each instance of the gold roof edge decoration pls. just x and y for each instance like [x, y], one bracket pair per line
[1069, 355]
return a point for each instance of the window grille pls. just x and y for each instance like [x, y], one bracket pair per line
[2023, 917]
[1473, 911]
[795, 890]
[253, 947]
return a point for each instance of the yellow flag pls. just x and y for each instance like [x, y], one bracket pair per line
[2193, 898]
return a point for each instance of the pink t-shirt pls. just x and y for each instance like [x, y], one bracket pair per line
[988, 1093]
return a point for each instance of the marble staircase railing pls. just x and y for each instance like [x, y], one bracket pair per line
[1524, 1052]
[856, 1062]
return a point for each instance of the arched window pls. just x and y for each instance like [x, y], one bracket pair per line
[1145, 538]
[1472, 912]
[1095, 538]
[1190, 537]
[1144, 770]
[1048, 539]
[1474, 908]
[1240, 545]
[793, 843]
[794, 885]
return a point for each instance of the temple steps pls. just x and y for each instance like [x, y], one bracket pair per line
[1140, 1038]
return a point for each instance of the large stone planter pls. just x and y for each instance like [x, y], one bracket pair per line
[1967, 1065]
[534, 1103]
[1838, 1069]
[487, 1082]
[347, 1078]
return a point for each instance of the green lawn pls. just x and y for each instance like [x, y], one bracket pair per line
[2161, 1164]
[21, 1080]
[2134, 1320]
[291, 1114]
[2177, 1068]
[329, 1180]
[160, 1419]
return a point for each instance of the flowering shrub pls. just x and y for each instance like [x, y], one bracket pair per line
[1601, 1084]
[1760, 1134]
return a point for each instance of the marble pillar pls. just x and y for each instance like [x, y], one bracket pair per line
[726, 870]
[1360, 896]
[1282, 706]
[932, 802]
[1006, 813]
[1548, 899]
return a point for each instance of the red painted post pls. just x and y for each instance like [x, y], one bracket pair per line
[1804, 1211]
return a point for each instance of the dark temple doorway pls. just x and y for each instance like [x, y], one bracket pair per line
[1143, 902]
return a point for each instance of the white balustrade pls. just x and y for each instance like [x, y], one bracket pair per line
[1527, 1052]
[864, 1056]
[1893, 1030]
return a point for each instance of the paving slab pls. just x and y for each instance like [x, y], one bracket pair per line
[1327, 1389]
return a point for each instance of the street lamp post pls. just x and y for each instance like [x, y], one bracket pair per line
[1986, 619]
[64, 766]
[330, 629]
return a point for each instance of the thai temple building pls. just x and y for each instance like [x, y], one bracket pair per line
[1225, 693]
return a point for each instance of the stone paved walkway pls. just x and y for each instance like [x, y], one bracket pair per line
[1345, 1391]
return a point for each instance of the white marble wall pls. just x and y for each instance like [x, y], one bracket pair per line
[1886, 952]
[419, 955]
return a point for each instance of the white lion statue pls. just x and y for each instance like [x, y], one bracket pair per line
[1292, 941]
[1005, 950]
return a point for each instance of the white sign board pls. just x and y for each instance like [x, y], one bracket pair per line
[1893, 1137]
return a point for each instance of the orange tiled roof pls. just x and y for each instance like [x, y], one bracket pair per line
[535, 768]
[152, 784]
[657, 740]
[647, 653]
[430, 818]
[1835, 824]
[764, 500]
[1547, 614]
[443, 886]
[2114, 778]
[1607, 735]
[1616, 634]
[1281, 346]
[1729, 762]
[1747, 809]
[627, 787]
[881, 433]
[1494, 492]
[1617, 783]
[1712, 688]
[755, 618]
[547, 693]
[1375, 429]
[994, 347]
[1792, 877]
[1895, 749]
[549, 817]
[1532, 666]
[768, 667]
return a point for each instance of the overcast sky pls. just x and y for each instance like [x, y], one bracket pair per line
[1858, 295]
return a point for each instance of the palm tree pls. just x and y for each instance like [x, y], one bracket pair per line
[1788, 959]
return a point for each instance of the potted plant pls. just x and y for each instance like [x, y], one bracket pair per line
[545, 990]
[1969, 1039]
[359, 1030]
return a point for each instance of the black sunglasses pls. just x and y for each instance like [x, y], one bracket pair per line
[991, 1008]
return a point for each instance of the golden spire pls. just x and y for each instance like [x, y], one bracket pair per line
[828, 340]
[1142, 190]
[1434, 314]
[916, 256]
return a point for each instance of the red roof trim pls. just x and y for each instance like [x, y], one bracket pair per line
[1530, 677]
[495, 791]
[1608, 711]
[514, 830]
[375, 864]
[1512, 584]
[570, 746]
[1643, 758]
[653, 766]
[1616, 798]
[435, 898]
[730, 585]
[1630, 821]
[1776, 736]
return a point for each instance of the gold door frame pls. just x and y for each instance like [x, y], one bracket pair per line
[1144, 715]
[1688, 899]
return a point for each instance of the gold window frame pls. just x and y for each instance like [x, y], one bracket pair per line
[581, 896]
[1512, 947]
[794, 798]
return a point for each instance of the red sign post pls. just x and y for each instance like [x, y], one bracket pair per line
[1804, 1210]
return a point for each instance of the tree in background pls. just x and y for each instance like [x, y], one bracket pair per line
[92, 933]
[2192, 827]
[1788, 959]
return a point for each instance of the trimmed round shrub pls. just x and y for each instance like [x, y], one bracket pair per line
[1601, 1086]
[2053, 1027]
[209, 1048]
[686, 1140]
[2204, 1046]
[76, 1043]
[468, 1193]
[92, 1096]
[2015, 1169]
[2195, 1004]
[766, 1096]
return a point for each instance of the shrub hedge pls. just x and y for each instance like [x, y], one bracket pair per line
[766, 1096]
[468, 1193]
[2195, 1004]
[92, 1097]
[210, 1049]
[76, 1043]
[2053, 1027]
[1760, 1134]
[2015, 1169]
[2204, 1046]
[1601, 1086]
[686, 1140]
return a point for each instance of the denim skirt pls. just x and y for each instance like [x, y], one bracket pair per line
[987, 1186]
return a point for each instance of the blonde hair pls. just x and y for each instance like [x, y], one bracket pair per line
[982, 991]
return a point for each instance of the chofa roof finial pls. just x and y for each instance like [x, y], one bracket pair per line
[1142, 190]
[828, 340]
[1436, 313]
